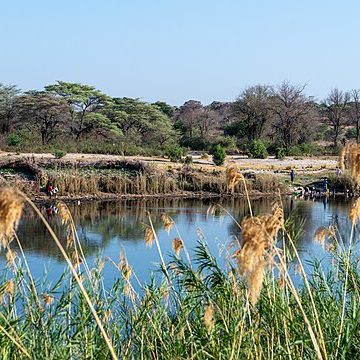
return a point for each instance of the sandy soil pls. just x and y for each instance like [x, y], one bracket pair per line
[244, 163]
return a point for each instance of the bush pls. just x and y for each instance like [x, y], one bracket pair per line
[257, 150]
[59, 154]
[280, 153]
[219, 155]
[174, 153]
[13, 139]
[304, 149]
[227, 142]
[188, 159]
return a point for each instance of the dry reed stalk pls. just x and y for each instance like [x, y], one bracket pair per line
[11, 205]
[177, 244]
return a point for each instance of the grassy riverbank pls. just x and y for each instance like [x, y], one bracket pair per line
[195, 308]
[80, 176]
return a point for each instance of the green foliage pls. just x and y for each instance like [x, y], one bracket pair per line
[13, 139]
[167, 109]
[59, 154]
[174, 153]
[307, 149]
[188, 159]
[195, 142]
[351, 133]
[280, 153]
[257, 150]
[227, 142]
[219, 155]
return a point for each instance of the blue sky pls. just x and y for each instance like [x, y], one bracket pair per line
[179, 50]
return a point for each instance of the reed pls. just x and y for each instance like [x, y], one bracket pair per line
[196, 310]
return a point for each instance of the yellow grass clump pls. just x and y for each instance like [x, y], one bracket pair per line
[11, 205]
[349, 159]
[233, 176]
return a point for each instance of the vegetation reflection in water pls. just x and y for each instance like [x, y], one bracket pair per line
[107, 228]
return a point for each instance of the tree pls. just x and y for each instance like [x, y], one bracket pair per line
[8, 94]
[143, 123]
[355, 112]
[294, 114]
[335, 112]
[167, 109]
[252, 110]
[42, 112]
[86, 105]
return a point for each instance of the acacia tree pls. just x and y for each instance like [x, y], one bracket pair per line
[334, 110]
[86, 105]
[43, 113]
[252, 110]
[140, 122]
[8, 94]
[293, 113]
[355, 112]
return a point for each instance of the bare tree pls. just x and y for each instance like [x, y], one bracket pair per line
[252, 109]
[355, 112]
[335, 112]
[293, 113]
[8, 94]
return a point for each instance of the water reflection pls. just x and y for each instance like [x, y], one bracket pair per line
[107, 227]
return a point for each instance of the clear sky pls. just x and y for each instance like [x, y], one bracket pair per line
[177, 50]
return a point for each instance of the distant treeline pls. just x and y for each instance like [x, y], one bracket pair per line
[80, 118]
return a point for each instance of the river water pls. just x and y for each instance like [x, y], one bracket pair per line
[107, 228]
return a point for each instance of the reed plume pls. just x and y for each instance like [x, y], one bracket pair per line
[258, 234]
[177, 244]
[349, 159]
[48, 299]
[11, 205]
[149, 236]
[355, 212]
[168, 222]
[209, 317]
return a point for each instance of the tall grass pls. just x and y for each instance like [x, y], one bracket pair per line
[194, 308]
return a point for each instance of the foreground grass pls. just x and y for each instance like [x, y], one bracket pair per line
[193, 308]
[200, 310]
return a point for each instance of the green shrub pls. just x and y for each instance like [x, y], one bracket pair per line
[257, 150]
[59, 154]
[13, 139]
[219, 155]
[280, 153]
[188, 159]
[174, 153]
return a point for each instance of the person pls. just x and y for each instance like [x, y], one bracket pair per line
[49, 186]
[292, 175]
[338, 171]
[325, 185]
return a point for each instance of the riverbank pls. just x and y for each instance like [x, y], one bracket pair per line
[103, 177]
